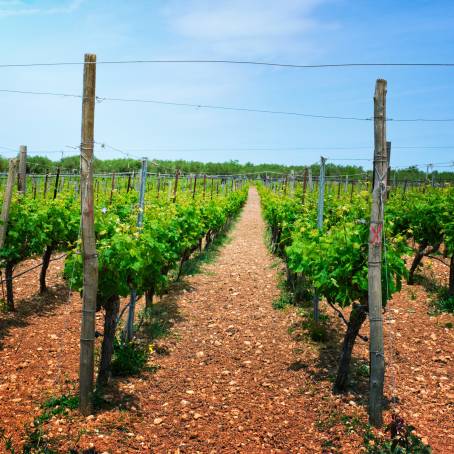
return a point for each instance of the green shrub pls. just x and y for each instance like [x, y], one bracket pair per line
[129, 358]
[402, 440]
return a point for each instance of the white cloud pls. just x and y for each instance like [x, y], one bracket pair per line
[10, 8]
[259, 27]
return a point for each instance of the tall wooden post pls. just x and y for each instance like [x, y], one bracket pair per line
[90, 259]
[112, 188]
[304, 185]
[45, 183]
[376, 350]
[57, 179]
[8, 194]
[175, 188]
[22, 180]
[128, 187]
[34, 187]
[195, 186]
[204, 185]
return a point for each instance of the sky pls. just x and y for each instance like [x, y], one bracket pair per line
[284, 31]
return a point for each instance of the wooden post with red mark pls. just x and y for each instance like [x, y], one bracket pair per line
[376, 348]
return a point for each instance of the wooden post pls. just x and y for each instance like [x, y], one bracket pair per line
[7, 196]
[112, 188]
[158, 185]
[204, 185]
[175, 188]
[46, 178]
[22, 176]
[376, 350]
[90, 259]
[195, 186]
[304, 185]
[129, 184]
[56, 181]
[311, 183]
[34, 187]
[212, 187]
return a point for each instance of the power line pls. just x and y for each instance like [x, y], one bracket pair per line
[228, 108]
[48, 93]
[234, 62]
[104, 146]
[237, 109]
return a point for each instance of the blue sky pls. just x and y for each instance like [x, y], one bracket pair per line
[287, 31]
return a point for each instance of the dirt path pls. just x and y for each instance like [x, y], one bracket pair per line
[227, 384]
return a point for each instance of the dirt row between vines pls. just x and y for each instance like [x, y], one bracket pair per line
[235, 375]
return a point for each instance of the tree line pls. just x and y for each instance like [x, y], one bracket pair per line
[70, 164]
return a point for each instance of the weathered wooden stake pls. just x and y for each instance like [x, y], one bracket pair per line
[175, 188]
[7, 196]
[304, 185]
[195, 186]
[57, 181]
[46, 178]
[376, 350]
[112, 188]
[22, 175]
[90, 259]
[129, 184]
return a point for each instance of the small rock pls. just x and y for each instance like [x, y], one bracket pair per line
[158, 421]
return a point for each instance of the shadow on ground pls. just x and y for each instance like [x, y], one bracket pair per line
[39, 305]
[328, 341]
